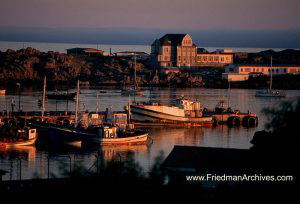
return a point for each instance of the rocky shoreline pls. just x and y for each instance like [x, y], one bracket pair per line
[29, 66]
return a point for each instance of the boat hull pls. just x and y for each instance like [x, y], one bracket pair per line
[61, 96]
[66, 135]
[139, 139]
[141, 115]
[270, 93]
[17, 144]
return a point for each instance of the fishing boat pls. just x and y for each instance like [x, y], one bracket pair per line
[61, 96]
[104, 134]
[270, 92]
[185, 112]
[111, 135]
[23, 137]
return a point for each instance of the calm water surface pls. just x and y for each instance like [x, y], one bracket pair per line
[62, 47]
[34, 160]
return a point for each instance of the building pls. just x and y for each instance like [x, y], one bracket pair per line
[178, 50]
[187, 160]
[86, 51]
[241, 55]
[173, 50]
[242, 72]
[131, 54]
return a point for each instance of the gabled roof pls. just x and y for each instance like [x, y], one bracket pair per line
[194, 159]
[174, 39]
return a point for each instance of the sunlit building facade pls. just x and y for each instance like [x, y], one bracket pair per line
[178, 50]
[242, 72]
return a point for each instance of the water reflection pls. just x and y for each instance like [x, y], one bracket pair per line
[34, 160]
[25, 152]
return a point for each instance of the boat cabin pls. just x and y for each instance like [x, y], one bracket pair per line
[28, 134]
[117, 118]
[108, 132]
[188, 105]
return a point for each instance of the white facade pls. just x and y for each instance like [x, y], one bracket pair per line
[241, 72]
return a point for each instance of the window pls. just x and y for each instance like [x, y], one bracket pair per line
[284, 70]
[242, 69]
[277, 70]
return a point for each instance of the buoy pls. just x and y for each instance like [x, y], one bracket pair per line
[215, 122]
[233, 121]
[250, 121]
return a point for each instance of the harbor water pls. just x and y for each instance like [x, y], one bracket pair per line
[31, 161]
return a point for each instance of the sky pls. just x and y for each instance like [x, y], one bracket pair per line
[114, 21]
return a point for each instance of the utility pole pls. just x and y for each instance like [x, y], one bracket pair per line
[44, 98]
[19, 87]
[76, 107]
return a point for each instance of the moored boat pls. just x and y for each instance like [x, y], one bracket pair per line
[103, 135]
[131, 91]
[111, 136]
[61, 96]
[2, 91]
[184, 113]
[270, 92]
[23, 137]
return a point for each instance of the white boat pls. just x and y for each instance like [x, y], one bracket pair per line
[110, 136]
[184, 113]
[24, 137]
[133, 91]
[270, 92]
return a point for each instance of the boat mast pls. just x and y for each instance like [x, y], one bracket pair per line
[44, 98]
[271, 74]
[97, 105]
[76, 107]
[135, 84]
[129, 111]
[228, 93]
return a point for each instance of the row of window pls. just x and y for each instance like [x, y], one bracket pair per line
[213, 58]
[186, 58]
[187, 42]
[263, 70]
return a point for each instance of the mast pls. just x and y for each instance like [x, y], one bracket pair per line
[229, 93]
[135, 84]
[271, 73]
[97, 105]
[129, 111]
[44, 98]
[76, 107]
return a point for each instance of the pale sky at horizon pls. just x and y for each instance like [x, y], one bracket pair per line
[170, 14]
